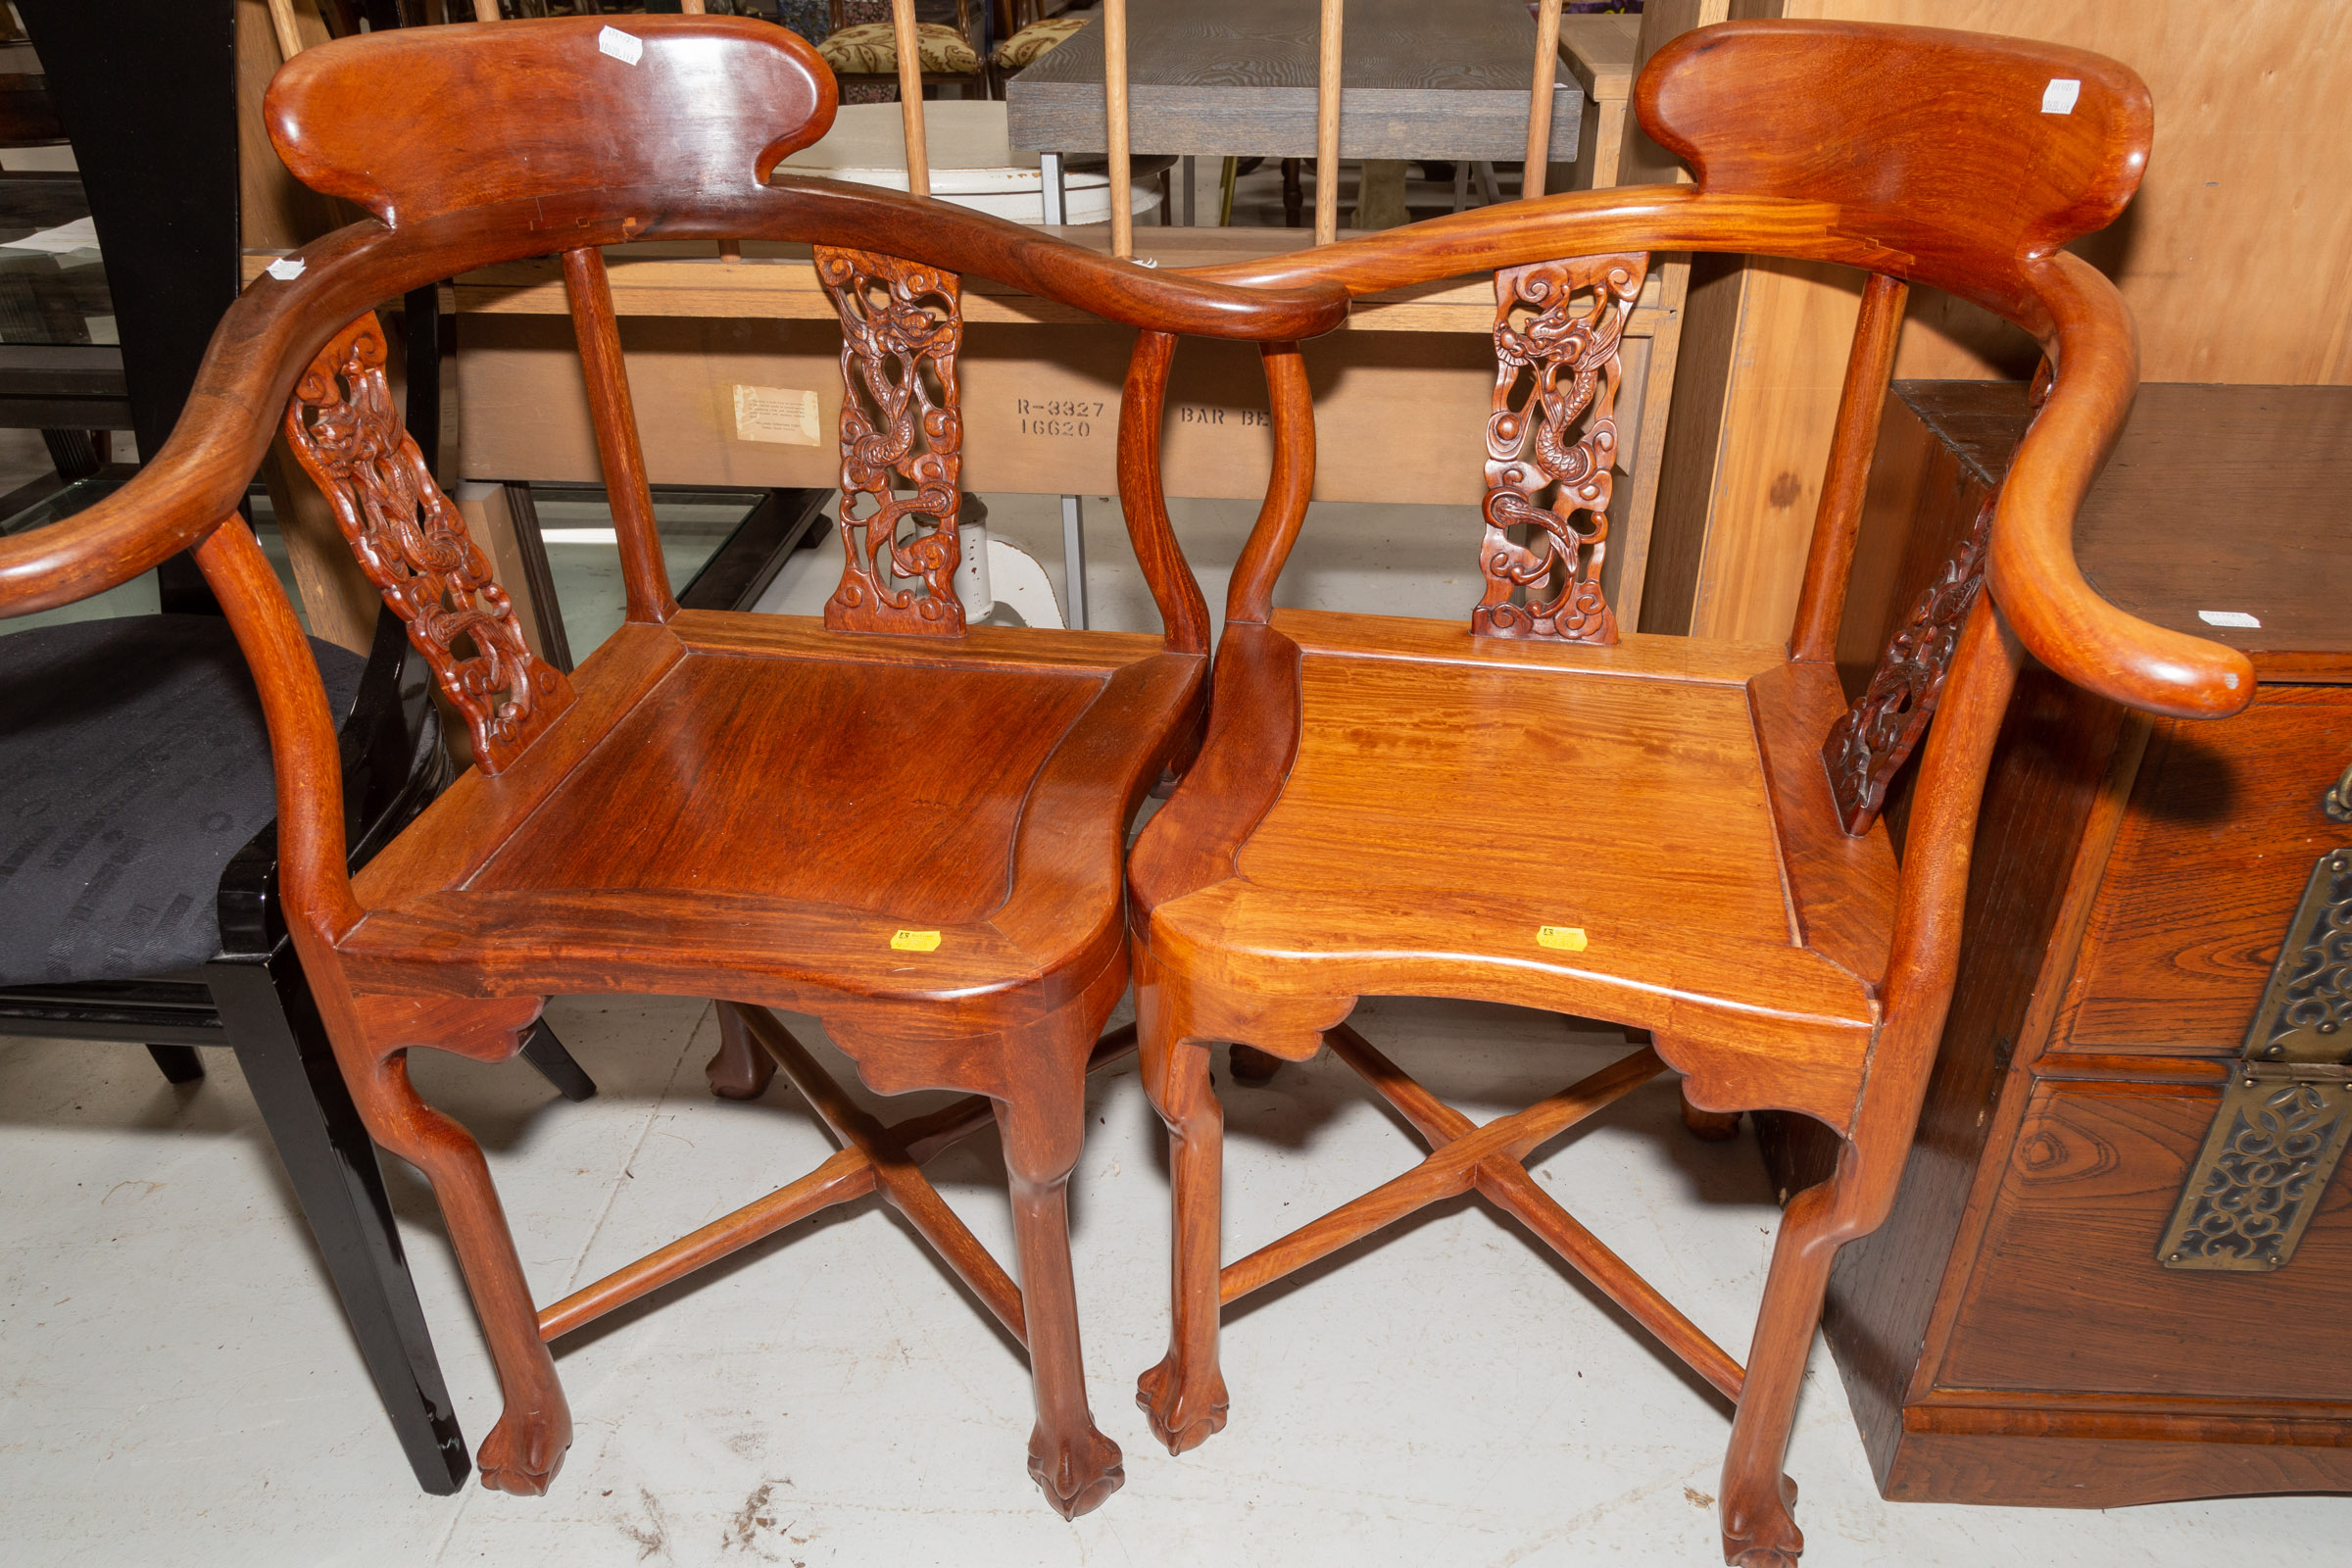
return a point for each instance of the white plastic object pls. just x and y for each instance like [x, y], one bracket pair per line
[971, 570]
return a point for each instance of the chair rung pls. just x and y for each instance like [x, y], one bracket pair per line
[848, 1175]
[1433, 1178]
[1465, 1155]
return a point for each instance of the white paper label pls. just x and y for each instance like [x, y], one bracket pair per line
[286, 268]
[778, 414]
[2227, 617]
[2058, 98]
[629, 48]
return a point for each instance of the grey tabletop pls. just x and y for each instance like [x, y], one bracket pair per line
[1420, 78]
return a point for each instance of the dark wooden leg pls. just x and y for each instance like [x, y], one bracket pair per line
[1714, 1126]
[1069, 1457]
[741, 1070]
[525, 1449]
[181, 1064]
[283, 1052]
[75, 454]
[546, 1053]
[1294, 195]
[1253, 1066]
[1184, 1397]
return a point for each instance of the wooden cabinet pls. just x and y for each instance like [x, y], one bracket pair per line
[2012, 1335]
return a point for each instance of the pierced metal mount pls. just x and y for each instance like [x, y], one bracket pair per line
[2287, 1114]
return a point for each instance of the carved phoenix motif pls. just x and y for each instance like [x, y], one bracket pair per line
[1559, 366]
[901, 424]
[412, 546]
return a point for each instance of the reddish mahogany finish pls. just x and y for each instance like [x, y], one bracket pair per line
[917, 839]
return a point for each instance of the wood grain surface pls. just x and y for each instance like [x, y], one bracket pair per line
[1237, 77]
[2076, 1303]
[2009, 1337]
[2224, 825]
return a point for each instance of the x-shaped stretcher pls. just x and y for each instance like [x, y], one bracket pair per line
[876, 1159]
[1464, 1155]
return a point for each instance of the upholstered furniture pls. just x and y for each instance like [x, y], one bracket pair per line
[1026, 45]
[866, 52]
[142, 905]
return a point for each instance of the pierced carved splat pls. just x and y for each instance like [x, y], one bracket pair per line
[1555, 364]
[411, 544]
[1872, 738]
[902, 425]
[1876, 736]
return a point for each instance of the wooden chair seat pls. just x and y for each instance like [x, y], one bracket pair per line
[1012, 758]
[1664, 873]
[1676, 836]
[907, 825]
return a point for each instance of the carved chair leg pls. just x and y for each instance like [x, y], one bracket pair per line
[525, 1449]
[1758, 1528]
[741, 1070]
[1069, 1457]
[1715, 1126]
[1254, 1068]
[1184, 1397]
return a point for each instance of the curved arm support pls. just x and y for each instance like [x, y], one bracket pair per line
[1250, 597]
[314, 870]
[1183, 612]
[276, 327]
[938, 234]
[2032, 572]
[1585, 222]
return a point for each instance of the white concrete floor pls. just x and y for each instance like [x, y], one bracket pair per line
[180, 1386]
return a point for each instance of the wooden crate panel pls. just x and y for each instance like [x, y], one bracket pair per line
[2067, 1294]
[2223, 826]
[1400, 417]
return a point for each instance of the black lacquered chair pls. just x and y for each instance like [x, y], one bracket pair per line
[138, 865]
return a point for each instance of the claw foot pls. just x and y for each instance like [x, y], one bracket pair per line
[524, 1450]
[1076, 1477]
[1182, 1416]
[1769, 1540]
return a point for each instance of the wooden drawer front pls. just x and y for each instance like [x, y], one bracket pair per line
[2223, 826]
[2067, 1295]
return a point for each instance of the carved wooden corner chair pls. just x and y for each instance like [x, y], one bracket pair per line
[909, 827]
[1674, 835]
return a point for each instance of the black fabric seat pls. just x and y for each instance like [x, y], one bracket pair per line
[133, 767]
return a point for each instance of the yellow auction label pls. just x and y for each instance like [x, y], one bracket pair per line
[928, 941]
[1568, 938]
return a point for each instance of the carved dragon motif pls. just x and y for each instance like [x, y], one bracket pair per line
[1561, 365]
[900, 424]
[1875, 737]
[413, 546]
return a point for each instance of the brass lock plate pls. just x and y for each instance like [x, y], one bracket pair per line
[2286, 1115]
